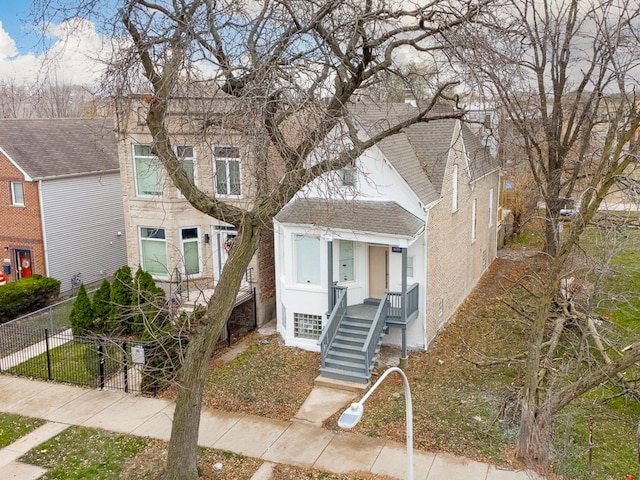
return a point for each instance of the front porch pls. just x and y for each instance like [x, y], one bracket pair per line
[351, 340]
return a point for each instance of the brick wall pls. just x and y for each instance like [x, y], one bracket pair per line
[455, 261]
[20, 227]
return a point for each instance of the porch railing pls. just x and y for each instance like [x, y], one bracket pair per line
[394, 312]
[339, 294]
[379, 321]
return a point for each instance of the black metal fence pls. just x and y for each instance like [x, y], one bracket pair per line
[97, 362]
[42, 345]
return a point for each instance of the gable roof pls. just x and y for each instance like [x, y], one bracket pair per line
[420, 152]
[354, 215]
[54, 147]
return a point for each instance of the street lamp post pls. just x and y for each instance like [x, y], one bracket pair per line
[352, 415]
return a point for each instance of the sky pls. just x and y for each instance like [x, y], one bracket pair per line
[67, 54]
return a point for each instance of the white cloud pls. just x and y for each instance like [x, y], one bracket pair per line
[72, 58]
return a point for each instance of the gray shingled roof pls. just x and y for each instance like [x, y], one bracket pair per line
[60, 146]
[361, 216]
[420, 152]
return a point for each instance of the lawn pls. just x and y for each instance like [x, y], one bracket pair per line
[12, 427]
[74, 362]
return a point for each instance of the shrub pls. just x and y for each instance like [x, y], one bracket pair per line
[120, 299]
[27, 295]
[81, 316]
[148, 301]
[101, 301]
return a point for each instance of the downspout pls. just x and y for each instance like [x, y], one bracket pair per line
[44, 230]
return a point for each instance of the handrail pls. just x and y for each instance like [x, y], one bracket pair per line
[412, 300]
[336, 317]
[379, 321]
[394, 312]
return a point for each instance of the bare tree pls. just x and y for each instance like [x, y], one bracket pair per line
[291, 67]
[566, 75]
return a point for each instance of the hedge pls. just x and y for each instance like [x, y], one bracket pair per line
[27, 295]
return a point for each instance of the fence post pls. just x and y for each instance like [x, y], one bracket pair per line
[101, 363]
[125, 364]
[255, 309]
[46, 342]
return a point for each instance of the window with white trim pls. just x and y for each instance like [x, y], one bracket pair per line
[187, 157]
[307, 326]
[227, 170]
[153, 251]
[190, 250]
[307, 251]
[410, 262]
[348, 175]
[346, 258]
[17, 194]
[454, 188]
[148, 171]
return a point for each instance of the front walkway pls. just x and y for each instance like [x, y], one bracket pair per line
[300, 442]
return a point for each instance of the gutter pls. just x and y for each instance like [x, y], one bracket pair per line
[81, 174]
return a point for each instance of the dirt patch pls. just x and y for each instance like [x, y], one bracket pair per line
[457, 405]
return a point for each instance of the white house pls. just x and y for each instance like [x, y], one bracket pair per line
[393, 250]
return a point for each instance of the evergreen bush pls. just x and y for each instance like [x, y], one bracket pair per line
[27, 295]
[81, 316]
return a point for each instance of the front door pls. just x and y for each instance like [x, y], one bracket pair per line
[378, 271]
[24, 268]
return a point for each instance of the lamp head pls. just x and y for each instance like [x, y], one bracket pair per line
[351, 416]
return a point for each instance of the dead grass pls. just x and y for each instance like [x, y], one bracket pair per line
[456, 404]
[458, 407]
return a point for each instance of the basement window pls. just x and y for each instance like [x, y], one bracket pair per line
[307, 326]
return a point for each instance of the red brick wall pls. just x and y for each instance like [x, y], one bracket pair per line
[20, 227]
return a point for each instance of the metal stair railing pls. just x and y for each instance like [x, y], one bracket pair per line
[375, 333]
[335, 319]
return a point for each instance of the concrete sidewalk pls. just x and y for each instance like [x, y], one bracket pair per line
[300, 442]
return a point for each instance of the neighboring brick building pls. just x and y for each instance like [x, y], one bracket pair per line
[60, 204]
[415, 217]
[179, 245]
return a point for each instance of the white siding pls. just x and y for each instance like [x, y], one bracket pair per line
[82, 217]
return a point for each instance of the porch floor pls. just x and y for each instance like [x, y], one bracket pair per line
[362, 310]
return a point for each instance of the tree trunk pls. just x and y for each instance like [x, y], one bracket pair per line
[534, 437]
[182, 456]
[182, 459]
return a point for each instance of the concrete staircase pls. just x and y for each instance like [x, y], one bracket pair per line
[344, 359]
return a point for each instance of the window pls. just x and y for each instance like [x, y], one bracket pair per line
[227, 170]
[186, 156]
[474, 206]
[346, 269]
[307, 259]
[454, 188]
[348, 175]
[190, 250]
[17, 194]
[491, 207]
[410, 273]
[153, 250]
[307, 326]
[441, 313]
[148, 171]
